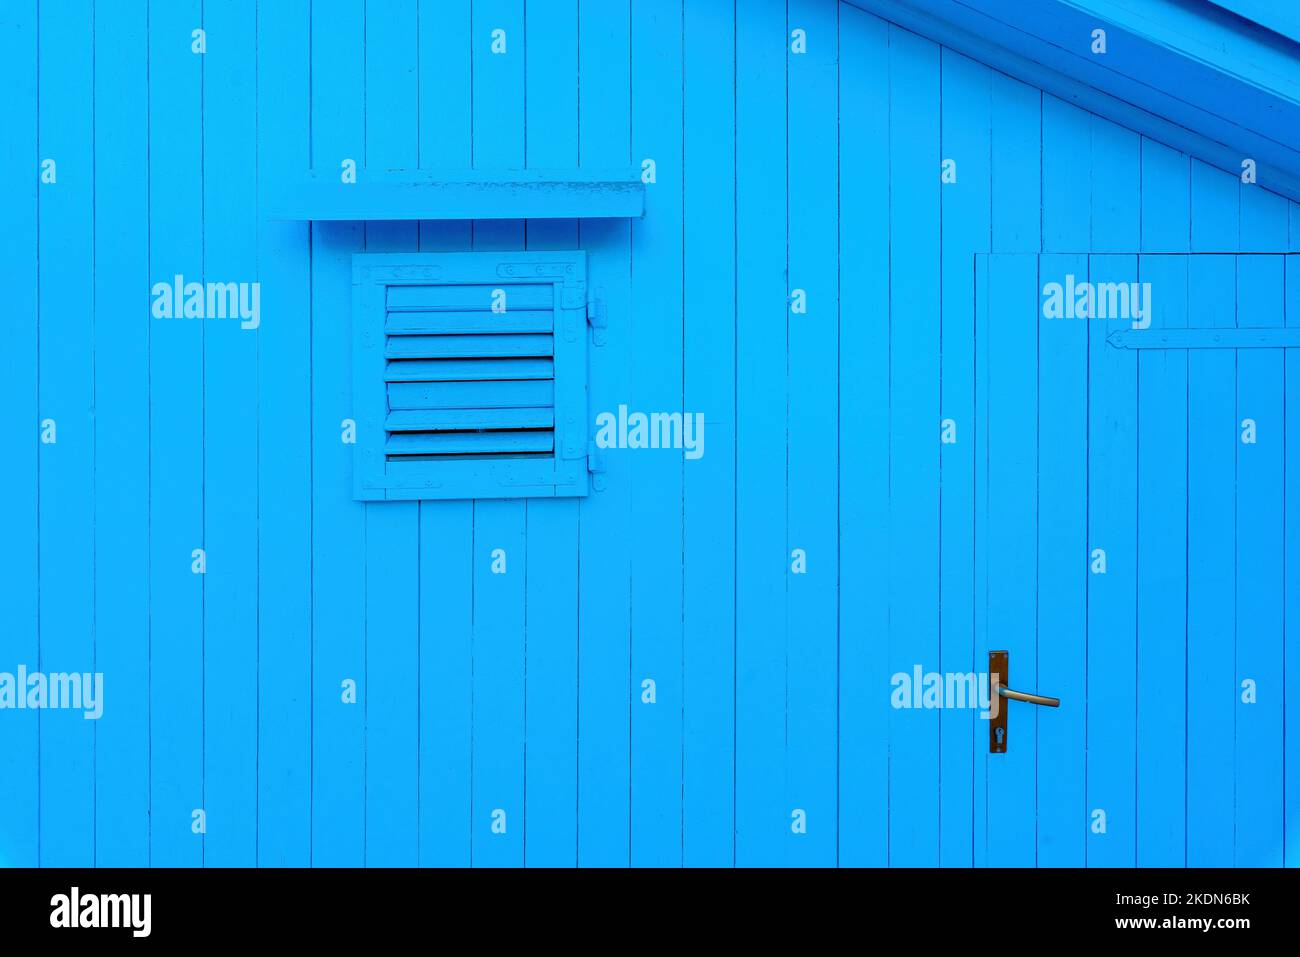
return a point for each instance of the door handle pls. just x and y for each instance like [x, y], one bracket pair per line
[1029, 698]
[999, 668]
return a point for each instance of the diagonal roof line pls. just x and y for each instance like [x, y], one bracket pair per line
[1181, 72]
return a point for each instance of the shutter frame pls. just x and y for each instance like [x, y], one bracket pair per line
[432, 395]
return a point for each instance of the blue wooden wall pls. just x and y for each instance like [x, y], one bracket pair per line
[522, 693]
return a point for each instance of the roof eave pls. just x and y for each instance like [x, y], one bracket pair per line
[1181, 72]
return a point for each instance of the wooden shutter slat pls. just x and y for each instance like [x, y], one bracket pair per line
[430, 420]
[469, 443]
[468, 323]
[435, 347]
[453, 370]
[520, 393]
[469, 297]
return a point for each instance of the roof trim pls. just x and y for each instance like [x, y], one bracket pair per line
[1281, 19]
[1182, 72]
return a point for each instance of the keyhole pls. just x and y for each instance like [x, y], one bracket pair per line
[1000, 733]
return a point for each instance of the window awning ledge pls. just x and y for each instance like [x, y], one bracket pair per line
[475, 194]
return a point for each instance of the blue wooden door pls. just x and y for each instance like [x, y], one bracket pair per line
[1136, 556]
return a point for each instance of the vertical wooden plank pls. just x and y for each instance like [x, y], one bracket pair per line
[1166, 199]
[1112, 596]
[709, 384]
[1291, 560]
[498, 823]
[1067, 176]
[1162, 568]
[20, 414]
[284, 453]
[65, 374]
[1162, 518]
[446, 528]
[500, 573]
[1062, 568]
[338, 523]
[762, 559]
[657, 473]
[864, 440]
[1116, 188]
[551, 646]
[913, 449]
[1259, 665]
[1008, 397]
[604, 517]
[965, 100]
[552, 687]
[1211, 507]
[1062, 491]
[1016, 144]
[122, 434]
[230, 503]
[980, 745]
[1015, 191]
[811, 623]
[1112, 508]
[175, 440]
[392, 528]
[446, 607]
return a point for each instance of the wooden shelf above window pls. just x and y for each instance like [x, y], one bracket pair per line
[476, 194]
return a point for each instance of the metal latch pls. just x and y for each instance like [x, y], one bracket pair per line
[596, 466]
[596, 319]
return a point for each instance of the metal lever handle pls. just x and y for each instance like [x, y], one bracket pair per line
[999, 671]
[1029, 698]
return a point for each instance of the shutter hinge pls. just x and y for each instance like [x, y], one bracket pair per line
[596, 466]
[573, 295]
[596, 319]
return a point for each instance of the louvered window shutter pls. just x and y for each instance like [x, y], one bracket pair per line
[470, 375]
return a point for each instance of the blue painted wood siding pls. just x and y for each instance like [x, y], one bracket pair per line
[804, 279]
